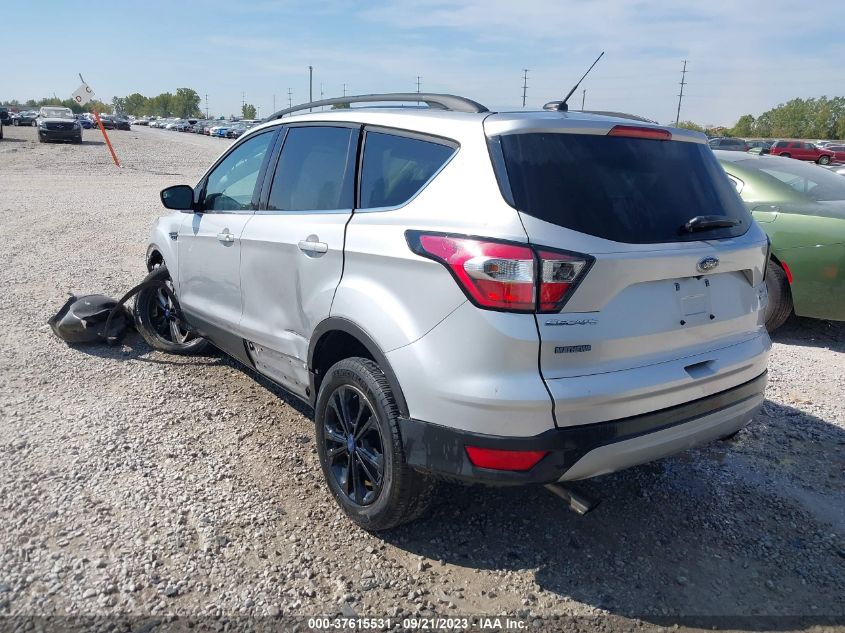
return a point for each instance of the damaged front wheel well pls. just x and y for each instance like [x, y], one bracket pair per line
[154, 258]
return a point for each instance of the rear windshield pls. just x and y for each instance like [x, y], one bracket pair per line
[630, 190]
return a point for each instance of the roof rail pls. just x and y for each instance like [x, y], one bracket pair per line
[435, 101]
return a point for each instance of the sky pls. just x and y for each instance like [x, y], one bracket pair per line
[743, 56]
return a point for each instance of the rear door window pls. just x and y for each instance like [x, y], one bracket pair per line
[395, 167]
[618, 188]
[315, 170]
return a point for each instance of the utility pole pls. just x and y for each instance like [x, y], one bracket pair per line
[274, 103]
[310, 85]
[681, 95]
[524, 85]
[290, 98]
[418, 84]
[243, 102]
[583, 98]
[344, 90]
[206, 106]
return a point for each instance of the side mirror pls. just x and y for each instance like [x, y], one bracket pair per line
[178, 198]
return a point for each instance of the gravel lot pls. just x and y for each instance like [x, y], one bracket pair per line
[136, 483]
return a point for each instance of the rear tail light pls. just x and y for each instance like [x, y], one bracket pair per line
[558, 273]
[636, 131]
[497, 459]
[503, 275]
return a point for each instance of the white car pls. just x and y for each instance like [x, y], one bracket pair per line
[507, 298]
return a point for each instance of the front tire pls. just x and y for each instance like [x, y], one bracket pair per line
[824, 160]
[780, 297]
[156, 322]
[360, 449]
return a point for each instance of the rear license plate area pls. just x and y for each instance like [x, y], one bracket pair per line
[693, 300]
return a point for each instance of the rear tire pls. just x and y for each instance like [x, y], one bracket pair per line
[154, 320]
[360, 449]
[780, 297]
[785, 155]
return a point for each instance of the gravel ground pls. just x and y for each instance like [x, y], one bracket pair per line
[135, 483]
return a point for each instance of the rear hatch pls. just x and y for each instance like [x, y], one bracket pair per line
[659, 284]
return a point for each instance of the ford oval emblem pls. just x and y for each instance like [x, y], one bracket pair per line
[707, 264]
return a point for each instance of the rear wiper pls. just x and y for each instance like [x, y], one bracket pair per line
[704, 222]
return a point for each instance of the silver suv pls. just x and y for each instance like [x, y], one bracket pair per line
[507, 298]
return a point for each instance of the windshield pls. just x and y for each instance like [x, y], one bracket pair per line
[57, 113]
[810, 181]
[624, 189]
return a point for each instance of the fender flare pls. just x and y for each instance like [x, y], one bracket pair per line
[349, 327]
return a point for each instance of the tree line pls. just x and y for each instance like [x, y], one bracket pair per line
[185, 104]
[34, 104]
[822, 118]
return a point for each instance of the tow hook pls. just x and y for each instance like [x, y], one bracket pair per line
[578, 500]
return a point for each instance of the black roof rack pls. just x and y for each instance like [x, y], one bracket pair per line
[452, 103]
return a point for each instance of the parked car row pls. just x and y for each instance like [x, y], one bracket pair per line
[822, 153]
[214, 127]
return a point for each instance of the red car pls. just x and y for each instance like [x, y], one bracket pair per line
[838, 152]
[802, 151]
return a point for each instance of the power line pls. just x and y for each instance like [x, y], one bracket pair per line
[524, 85]
[681, 95]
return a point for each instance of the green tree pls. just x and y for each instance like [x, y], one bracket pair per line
[340, 106]
[743, 127]
[690, 125]
[248, 111]
[186, 103]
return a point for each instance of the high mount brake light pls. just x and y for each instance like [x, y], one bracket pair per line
[636, 131]
[502, 275]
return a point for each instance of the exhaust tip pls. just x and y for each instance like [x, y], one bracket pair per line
[578, 500]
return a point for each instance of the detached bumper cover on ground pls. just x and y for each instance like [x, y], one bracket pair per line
[579, 452]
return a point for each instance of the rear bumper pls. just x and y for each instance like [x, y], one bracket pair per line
[589, 450]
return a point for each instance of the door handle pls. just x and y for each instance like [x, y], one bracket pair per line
[225, 237]
[307, 246]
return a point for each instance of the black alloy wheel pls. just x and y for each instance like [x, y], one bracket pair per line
[158, 322]
[353, 445]
[361, 451]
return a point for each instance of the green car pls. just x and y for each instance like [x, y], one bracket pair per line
[801, 207]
